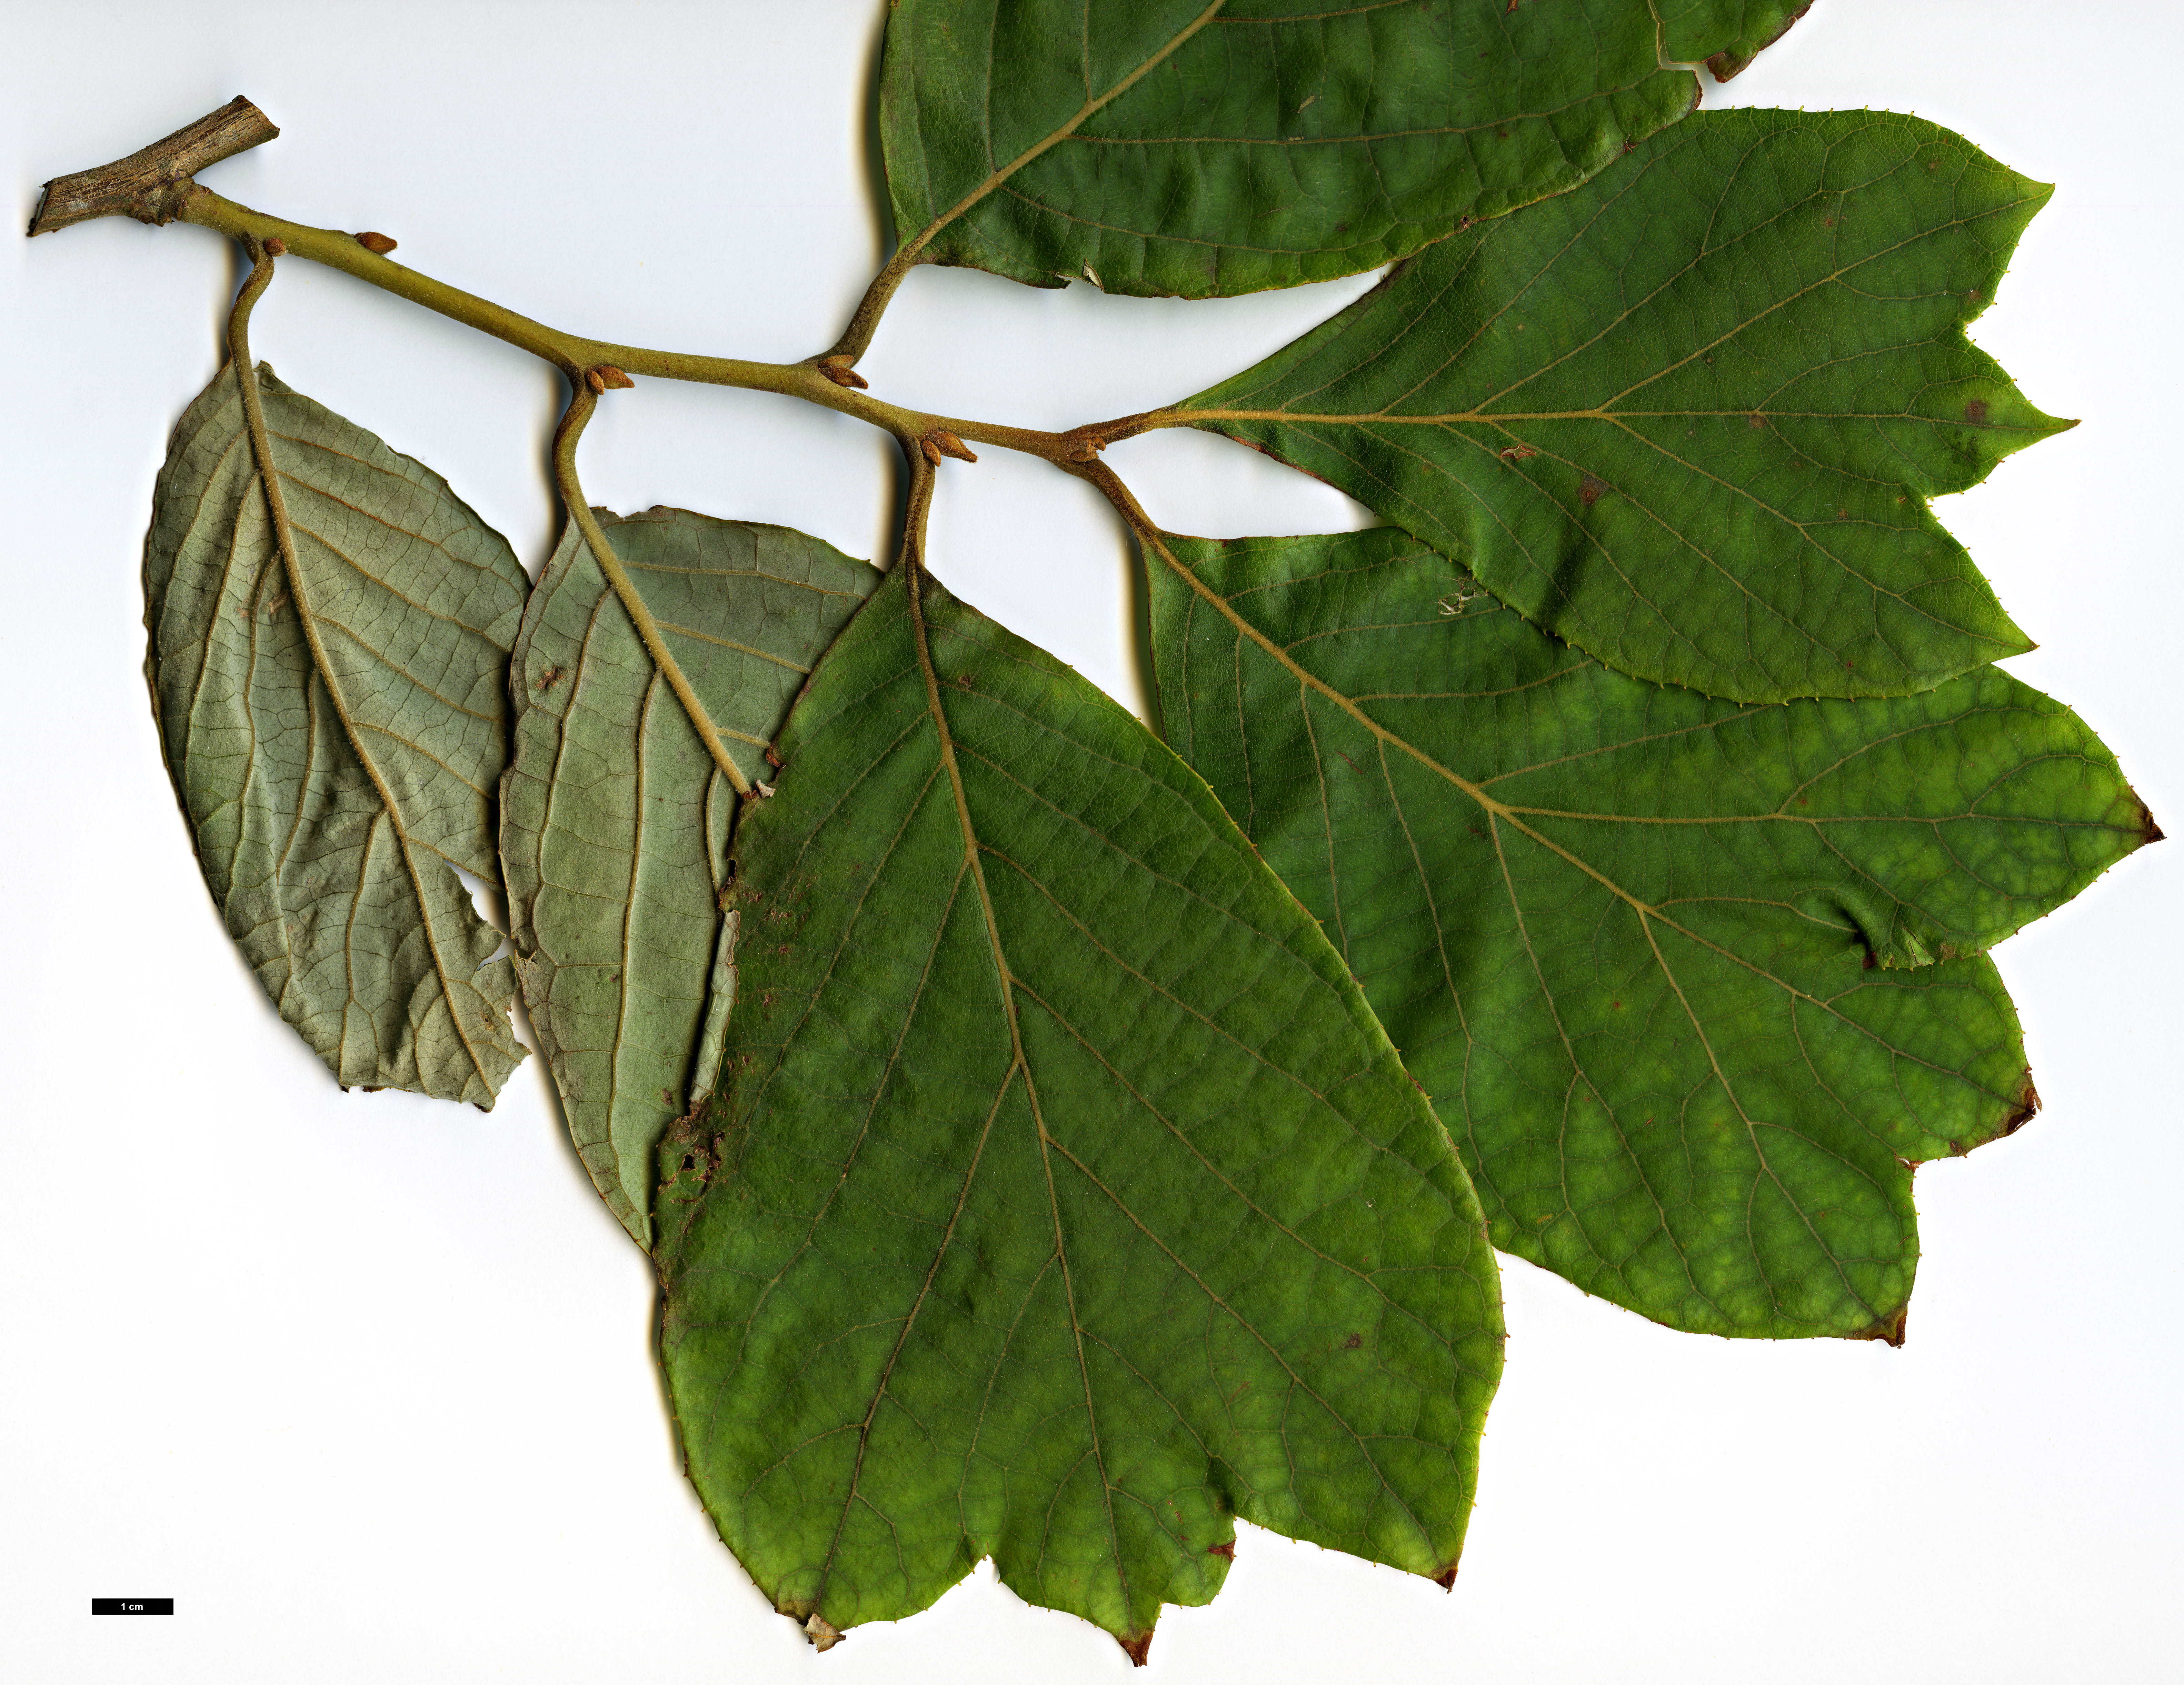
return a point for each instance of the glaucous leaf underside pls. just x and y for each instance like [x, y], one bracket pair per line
[615, 819]
[1692, 983]
[1689, 416]
[1174, 147]
[1061, 1200]
[336, 721]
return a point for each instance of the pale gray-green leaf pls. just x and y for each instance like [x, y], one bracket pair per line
[330, 804]
[615, 819]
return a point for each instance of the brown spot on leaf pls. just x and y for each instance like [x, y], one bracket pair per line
[1759, 421]
[1354, 1342]
[1589, 490]
[1729, 62]
[1516, 452]
[1447, 1578]
[1889, 1328]
[823, 1633]
[549, 678]
[375, 242]
[2149, 832]
[1226, 1547]
[1975, 412]
[2028, 1105]
[772, 759]
[1136, 1646]
[1872, 960]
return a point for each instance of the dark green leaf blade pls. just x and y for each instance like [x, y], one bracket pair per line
[1688, 417]
[1174, 147]
[1690, 980]
[1061, 1199]
[615, 820]
[328, 804]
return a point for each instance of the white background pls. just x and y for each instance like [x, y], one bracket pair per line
[364, 1382]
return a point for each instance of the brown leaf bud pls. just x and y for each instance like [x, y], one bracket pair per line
[277, 247]
[375, 242]
[949, 445]
[843, 375]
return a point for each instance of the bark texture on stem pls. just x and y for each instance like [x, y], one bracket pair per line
[151, 184]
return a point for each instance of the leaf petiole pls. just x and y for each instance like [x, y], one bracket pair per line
[583, 402]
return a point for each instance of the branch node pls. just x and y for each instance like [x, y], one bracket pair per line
[152, 184]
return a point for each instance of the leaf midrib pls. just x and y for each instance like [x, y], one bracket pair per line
[1019, 1066]
[913, 247]
[1505, 814]
[269, 478]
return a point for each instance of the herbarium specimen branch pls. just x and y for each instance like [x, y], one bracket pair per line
[1009, 1098]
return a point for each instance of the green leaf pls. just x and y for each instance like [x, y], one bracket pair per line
[615, 819]
[336, 748]
[1161, 146]
[1064, 1201]
[1688, 980]
[1688, 417]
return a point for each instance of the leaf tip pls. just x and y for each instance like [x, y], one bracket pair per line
[1447, 1578]
[823, 1633]
[1889, 1329]
[1136, 1645]
[2023, 1110]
